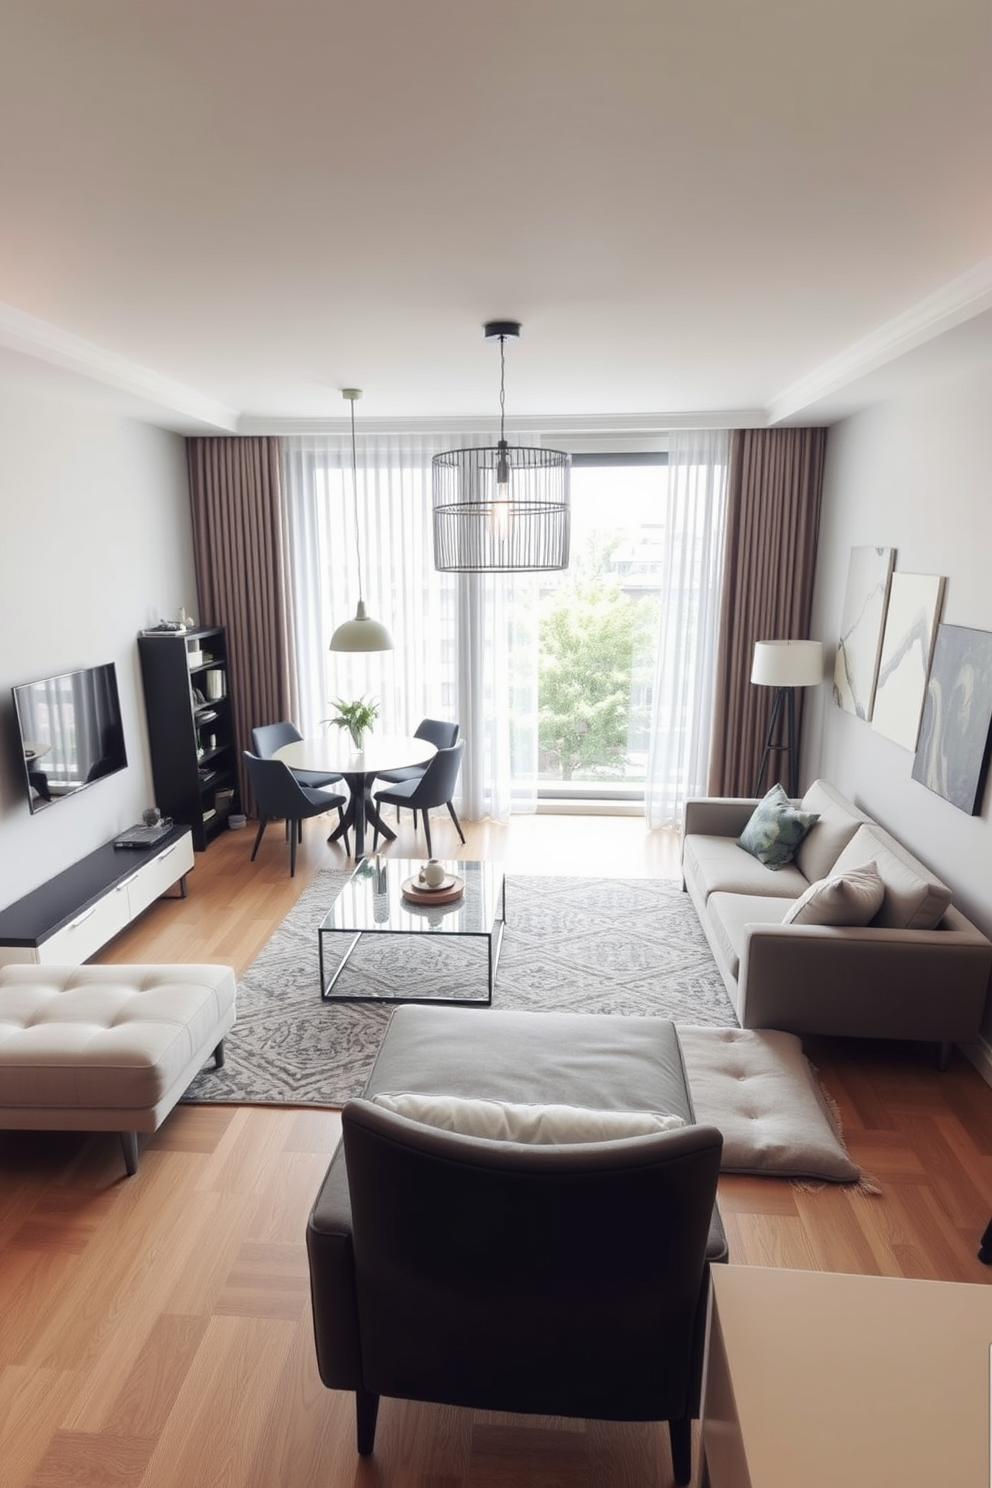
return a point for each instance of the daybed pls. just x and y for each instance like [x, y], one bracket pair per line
[918, 969]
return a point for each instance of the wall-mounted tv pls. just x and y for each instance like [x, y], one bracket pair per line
[70, 732]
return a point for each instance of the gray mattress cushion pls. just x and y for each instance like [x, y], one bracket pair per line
[718, 865]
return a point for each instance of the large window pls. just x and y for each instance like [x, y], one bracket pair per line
[598, 632]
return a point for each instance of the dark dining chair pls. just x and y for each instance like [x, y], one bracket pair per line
[279, 795]
[437, 732]
[268, 737]
[435, 787]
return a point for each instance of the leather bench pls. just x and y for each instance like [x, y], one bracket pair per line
[107, 1048]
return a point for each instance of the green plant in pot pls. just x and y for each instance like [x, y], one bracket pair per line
[357, 717]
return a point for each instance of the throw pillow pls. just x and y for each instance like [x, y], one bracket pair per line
[852, 898]
[506, 1121]
[776, 829]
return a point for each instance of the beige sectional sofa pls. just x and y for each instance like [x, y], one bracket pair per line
[918, 970]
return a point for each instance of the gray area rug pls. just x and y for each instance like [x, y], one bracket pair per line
[632, 946]
[571, 944]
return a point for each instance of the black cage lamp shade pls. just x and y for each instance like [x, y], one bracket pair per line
[502, 508]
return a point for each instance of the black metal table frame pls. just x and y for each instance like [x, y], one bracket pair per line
[495, 931]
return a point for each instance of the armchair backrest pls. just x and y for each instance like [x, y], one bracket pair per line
[442, 735]
[550, 1280]
[437, 784]
[266, 738]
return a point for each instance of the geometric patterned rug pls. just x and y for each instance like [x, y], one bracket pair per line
[630, 946]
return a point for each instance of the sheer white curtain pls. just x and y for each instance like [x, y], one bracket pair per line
[462, 641]
[693, 547]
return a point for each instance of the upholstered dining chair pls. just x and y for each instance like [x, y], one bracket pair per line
[279, 795]
[268, 737]
[435, 787]
[437, 732]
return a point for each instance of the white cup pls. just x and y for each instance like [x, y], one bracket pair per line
[432, 874]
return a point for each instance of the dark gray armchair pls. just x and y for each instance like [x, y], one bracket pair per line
[550, 1280]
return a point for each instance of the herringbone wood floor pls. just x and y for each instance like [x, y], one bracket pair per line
[156, 1331]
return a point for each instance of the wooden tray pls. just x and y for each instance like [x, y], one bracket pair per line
[417, 894]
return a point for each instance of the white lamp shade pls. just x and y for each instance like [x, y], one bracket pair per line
[361, 634]
[787, 663]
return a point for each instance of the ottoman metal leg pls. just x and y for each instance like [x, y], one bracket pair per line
[129, 1146]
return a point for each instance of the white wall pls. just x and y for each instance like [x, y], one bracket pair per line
[916, 475]
[95, 544]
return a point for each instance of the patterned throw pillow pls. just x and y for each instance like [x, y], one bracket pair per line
[776, 829]
[851, 898]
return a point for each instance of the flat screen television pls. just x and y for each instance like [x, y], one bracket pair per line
[70, 732]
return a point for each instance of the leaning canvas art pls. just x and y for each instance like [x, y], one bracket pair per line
[953, 750]
[860, 643]
[907, 645]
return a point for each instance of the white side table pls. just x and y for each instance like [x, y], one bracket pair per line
[818, 1379]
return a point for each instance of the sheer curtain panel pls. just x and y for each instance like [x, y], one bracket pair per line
[460, 642]
[685, 665]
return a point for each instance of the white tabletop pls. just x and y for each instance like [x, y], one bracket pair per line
[822, 1379]
[335, 752]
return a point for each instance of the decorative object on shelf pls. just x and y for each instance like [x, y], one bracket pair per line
[185, 622]
[785, 665]
[363, 633]
[357, 717]
[503, 509]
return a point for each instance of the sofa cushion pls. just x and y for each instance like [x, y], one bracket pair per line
[837, 821]
[729, 913]
[509, 1121]
[915, 898]
[851, 898]
[718, 865]
[776, 829]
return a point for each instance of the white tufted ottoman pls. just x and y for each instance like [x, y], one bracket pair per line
[107, 1048]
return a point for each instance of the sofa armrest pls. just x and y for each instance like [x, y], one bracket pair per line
[717, 816]
[866, 982]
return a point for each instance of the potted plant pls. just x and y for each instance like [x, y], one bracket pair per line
[356, 717]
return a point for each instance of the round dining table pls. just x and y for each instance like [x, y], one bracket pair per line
[334, 753]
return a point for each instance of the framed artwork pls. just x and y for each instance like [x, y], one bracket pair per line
[953, 749]
[860, 644]
[907, 645]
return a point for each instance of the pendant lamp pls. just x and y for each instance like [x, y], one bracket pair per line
[363, 633]
[502, 509]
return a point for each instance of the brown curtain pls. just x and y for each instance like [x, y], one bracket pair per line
[239, 548]
[775, 480]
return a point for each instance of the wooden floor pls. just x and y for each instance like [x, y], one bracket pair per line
[155, 1331]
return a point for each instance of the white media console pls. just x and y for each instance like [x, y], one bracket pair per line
[69, 918]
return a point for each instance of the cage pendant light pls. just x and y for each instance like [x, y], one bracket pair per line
[503, 509]
[363, 633]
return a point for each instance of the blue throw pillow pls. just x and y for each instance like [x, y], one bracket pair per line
[776, 829]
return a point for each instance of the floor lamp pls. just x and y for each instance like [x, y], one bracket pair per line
[785, 665]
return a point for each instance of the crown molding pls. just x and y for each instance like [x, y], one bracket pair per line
[960, 300]
[48, 343]
[626, 425]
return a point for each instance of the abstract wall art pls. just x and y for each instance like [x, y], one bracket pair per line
[907, 645]
[953, 749]
[860, 644]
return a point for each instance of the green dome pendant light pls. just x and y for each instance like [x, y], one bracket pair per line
[363, 633]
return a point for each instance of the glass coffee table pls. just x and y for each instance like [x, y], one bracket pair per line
[372, 903]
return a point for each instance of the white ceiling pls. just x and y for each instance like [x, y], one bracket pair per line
[218, 213]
